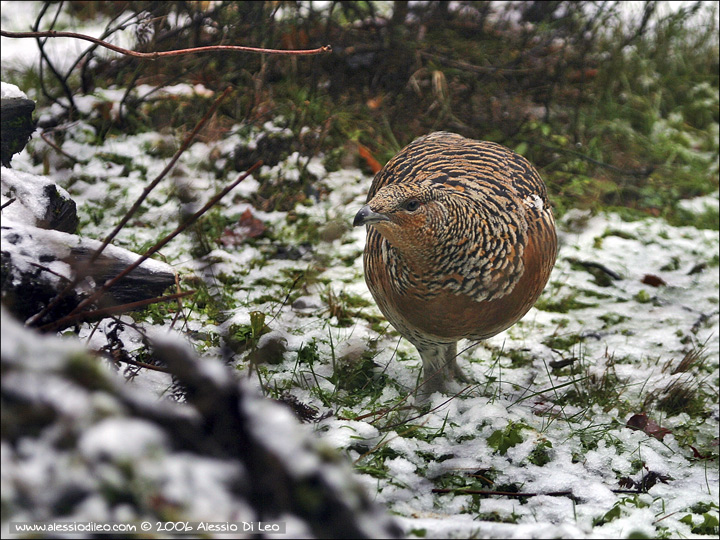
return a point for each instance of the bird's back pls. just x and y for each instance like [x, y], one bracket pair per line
[454, 160]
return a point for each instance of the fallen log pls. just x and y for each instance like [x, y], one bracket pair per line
[36, 264]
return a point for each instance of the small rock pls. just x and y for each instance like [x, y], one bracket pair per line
[38, 201]
[306, 302]
[270, 349]
[333, 230]
[16, 125]
[653, 280]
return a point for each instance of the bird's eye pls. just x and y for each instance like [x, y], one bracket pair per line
[411, 205]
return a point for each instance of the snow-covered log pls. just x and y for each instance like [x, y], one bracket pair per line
[80, 444]
[36, 264]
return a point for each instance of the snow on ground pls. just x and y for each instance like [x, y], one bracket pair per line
[626, 302]
[632, 330]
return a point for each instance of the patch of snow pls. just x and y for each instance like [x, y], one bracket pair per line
[698, 205]
[121, 439]
[31, 201]
[535, 201]
[629, 328]
[10, 91]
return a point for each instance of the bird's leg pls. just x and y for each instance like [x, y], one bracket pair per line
[439, 366]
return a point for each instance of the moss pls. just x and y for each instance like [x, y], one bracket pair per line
[87, 372]
[563, 342]
[612, 319]
[541, 453]
[504, 439]
[562, 305]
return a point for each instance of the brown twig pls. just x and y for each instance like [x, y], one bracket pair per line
[143, 365]
[163, 54]
[132, 362]
[58, 149]
[461, 491]
[77, 317]
[186, 143]
[7, 203]
[46, 269]
[665, 517]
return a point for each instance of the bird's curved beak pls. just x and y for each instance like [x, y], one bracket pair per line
[366, 216]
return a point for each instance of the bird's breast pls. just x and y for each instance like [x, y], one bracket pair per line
[425, 304]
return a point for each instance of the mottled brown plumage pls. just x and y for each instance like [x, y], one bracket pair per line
[461, 241]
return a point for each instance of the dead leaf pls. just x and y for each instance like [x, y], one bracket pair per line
[641, 422]
[653, 280]
[374, 103]
[698, 455]
[248, 226]
[369, 159]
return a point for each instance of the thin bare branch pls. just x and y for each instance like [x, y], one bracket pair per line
[462, 491]
[132, 362]
[110, 282]
[45, 59]
[111, 310]
[43, 136]
[163, 54]
[49, 271]
[8, 203]
[38, 316]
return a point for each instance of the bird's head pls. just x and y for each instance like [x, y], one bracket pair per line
[409, 216]
[395, 204]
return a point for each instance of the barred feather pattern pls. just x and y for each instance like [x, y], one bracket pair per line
[464, 242]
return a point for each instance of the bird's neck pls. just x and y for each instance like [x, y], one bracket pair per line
[417, 257]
